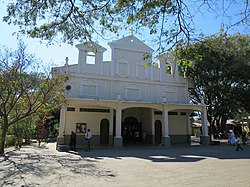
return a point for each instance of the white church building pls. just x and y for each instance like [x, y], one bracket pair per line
[123, 102]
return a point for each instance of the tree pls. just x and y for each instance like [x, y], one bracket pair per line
[24, 90]
[219, 67]
[169, 21]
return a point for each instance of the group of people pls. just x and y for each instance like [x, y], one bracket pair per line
[236, 140]
[72, 141]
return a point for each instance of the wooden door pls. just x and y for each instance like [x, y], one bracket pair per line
[158, 132]
[104, 131]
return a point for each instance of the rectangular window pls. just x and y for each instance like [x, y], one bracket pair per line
[94, 110]
[169, 113]
[183, 113]
[158, 112]
[70, 109]
[173, 113]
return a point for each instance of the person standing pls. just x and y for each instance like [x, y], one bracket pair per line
[88, 137]
[229, 137]
[244, 138]
[232, 137]
[72, 141]
[144, 134]
[238, 141]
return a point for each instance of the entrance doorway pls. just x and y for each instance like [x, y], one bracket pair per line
[104, 131]
[158, 132]
[131, 130]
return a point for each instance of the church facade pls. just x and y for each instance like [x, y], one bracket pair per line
[127, 100]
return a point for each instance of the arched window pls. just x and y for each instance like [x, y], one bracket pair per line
[90, 58]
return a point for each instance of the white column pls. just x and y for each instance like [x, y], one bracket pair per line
[165, 132]
[111, 114]
[205, 139]
[118, 126]
[165, 122]
[60, 138]
[118, 122]
[189, 129]
[204, 121]
[62, 120]
[153, 125]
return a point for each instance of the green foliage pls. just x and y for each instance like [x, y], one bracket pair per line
[23, 130]
[67, 20]
[10, 140]
[219, 68]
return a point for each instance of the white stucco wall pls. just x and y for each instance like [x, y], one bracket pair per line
[92, 119]
[178, 125]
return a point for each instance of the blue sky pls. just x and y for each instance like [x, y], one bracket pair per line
[56, 54]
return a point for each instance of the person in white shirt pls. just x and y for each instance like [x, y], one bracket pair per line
[232, 136]
[88, 137]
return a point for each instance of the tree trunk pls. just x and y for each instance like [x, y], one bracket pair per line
[2, 142]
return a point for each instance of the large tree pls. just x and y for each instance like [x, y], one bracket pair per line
[169, 21]
[24, 89]
[219, 66]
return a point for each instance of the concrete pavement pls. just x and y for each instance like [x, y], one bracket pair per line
[206, 166]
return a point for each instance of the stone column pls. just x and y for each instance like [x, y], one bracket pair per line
[111, 119]
[60, 138]
[165, 132]
[189, 129]
[205, 140]
[118, 125]
[153, 126]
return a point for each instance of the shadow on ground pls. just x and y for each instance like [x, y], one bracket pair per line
[33, 166]
[172, 154]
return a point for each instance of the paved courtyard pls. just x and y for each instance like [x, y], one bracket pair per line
[211, 166]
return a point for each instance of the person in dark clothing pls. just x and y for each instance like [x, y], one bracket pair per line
[238, 141]
[72, 141]
[244, 138]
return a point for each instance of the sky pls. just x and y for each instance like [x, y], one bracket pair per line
[56, 54]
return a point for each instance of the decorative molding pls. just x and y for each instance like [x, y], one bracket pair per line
[133, 93]
[89, 89]
[120, 63]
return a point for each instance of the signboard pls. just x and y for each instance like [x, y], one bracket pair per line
[81, 127]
